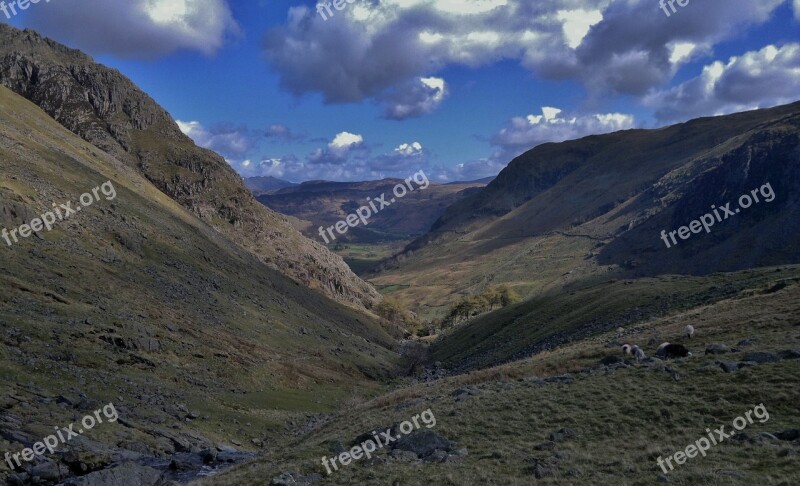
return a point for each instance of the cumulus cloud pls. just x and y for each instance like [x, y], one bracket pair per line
[345, 158]
[369, 48]
[757, 79]
[137, 28]
[382, 49]
[633, 48]
[409, 149]
[523, 133]
[227, 141]
[415, 98]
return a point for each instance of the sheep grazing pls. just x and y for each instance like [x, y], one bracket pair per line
[689, 331]
[668, 350]
[626, 349]
[637, 351]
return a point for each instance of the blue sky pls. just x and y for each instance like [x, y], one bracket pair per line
[455, 87]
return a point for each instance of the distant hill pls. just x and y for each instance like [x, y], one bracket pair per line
[106, 109]
[323, 203]
[485, 180]
[596, 207]
[266, 184]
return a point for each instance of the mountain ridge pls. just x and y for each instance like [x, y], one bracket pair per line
[108, 110]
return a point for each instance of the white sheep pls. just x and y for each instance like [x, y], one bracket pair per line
[689, 331]
[626, 349]
[637, 351]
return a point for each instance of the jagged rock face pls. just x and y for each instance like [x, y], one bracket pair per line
[108, 110]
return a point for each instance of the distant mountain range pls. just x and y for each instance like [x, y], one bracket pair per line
[323, 203]
[596, 207]
[266, 184]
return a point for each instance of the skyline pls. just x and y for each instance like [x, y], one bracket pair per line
[454, 88]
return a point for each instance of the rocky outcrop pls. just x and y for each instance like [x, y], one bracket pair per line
[109, 111]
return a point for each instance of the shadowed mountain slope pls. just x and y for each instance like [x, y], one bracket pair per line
[109, 111]
[596, 207]
[134, 300]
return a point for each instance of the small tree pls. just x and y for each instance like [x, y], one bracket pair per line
[398, 315]
[507, 295]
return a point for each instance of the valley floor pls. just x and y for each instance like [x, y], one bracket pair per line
[563, 417]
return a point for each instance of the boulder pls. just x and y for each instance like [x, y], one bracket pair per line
[128, 473]
[295, 479]
[611, 359]
[717, 348]
[562, 434]
[790, 354]
[422, 443]
[761, 357]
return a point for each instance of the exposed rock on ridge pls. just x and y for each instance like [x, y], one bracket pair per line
[109, 111]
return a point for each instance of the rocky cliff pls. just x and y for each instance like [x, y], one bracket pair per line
[109, 111]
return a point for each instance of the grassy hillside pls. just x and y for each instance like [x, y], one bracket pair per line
[553, 319]
[596, 207]
[135, 300]
[620, 418]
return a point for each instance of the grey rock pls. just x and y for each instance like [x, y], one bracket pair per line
[761, 357]
[295, 479]
[422, 443]
[789, 434]
[562, 434]
[611, 359]
[546, 446]
[128, 474]
[790, 354]
[729, 366]
[717, 348]
[541, 470]
[48, 471]
[403, 456]
[436, 456]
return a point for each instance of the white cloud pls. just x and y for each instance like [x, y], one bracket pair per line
[137, 28]
[414, 99]
[757, 79]
[379, 49]
[523, 133]
[409, 150]
[345, 140]
[227, 141]
[577, 24]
